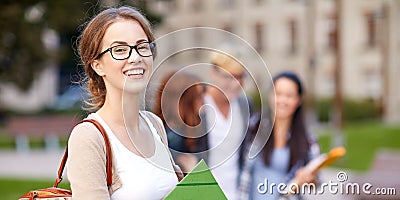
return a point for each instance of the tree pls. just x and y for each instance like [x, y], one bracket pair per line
[20, 50]
[22, 53]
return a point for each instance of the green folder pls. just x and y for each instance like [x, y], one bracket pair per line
[198, 184]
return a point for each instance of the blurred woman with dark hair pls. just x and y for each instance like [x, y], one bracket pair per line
[289, 148]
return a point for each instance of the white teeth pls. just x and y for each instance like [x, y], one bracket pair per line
[135, 72]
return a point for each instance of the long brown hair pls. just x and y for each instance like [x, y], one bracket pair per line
[181, 105]
[90, 42]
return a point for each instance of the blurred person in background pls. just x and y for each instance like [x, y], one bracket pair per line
[178, 103]
[227, 115]
[289, 148]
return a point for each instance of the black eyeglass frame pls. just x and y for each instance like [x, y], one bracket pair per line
[151, 44]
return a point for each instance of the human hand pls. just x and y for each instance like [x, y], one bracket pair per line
[187, 161]
[303, 175]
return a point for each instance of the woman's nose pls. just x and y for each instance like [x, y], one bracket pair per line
[134, 57]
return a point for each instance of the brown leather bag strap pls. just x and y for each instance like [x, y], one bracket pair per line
[108, 154]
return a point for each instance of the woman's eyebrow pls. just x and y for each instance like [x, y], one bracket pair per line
[118, 42]
[123, 42]
[140, 41]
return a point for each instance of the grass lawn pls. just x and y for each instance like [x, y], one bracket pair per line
[8, 141]
[362, 140]
[12, 189]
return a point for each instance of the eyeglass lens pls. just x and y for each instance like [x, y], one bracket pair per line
[121, 52]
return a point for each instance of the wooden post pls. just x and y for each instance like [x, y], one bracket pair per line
[311, 56]
[338, 99]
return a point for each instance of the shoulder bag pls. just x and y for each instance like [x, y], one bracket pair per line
[55, 193]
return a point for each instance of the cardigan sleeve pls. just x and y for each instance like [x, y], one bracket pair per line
[86, 164]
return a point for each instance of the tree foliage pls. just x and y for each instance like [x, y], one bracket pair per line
[22, 53]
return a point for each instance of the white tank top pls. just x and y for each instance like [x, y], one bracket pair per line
[224, 139]
[142, 178]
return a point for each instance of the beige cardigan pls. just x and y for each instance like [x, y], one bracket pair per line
[86, 164]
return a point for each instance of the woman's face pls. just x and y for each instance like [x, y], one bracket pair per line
[287, 98]
[132, 74]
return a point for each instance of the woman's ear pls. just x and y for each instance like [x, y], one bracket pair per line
[97, 67]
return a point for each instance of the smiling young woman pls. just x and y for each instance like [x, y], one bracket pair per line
[289, 147]
[117, 51]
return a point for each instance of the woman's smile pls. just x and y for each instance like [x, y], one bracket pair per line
[135, 73]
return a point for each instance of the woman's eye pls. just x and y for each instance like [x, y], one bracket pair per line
[143, 47]
[120, 49]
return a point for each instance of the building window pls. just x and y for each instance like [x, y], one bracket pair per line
[227, 3]
[259, 37]
[293, 34]
[371, 21]
[300, 1]
[373, 83]
[197, 5]
[172, 4]
[227, 37]
[332, 33]
[258, 2]
[228, 28]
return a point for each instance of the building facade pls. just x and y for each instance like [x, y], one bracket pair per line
[307, 37]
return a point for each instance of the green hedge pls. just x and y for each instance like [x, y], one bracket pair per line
[362, 141]
[353, 110]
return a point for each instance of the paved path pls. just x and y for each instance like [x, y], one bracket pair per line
[328, 175]
[385, 172]
[32, 164]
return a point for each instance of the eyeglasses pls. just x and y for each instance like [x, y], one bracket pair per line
[124, 51]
